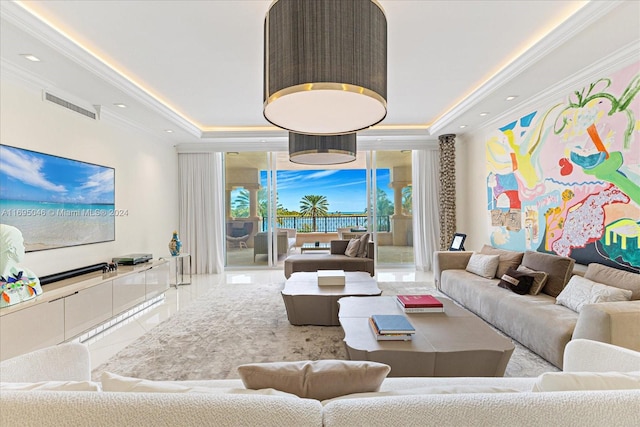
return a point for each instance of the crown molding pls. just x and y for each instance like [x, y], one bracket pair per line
[619, 59]
[21, 17]
[23, 76]
[568, 29]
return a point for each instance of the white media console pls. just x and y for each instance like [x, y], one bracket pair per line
[71, 307]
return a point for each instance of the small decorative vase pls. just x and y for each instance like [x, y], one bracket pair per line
[175, 244]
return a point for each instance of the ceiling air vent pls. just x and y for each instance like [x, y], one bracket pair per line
[70, 106]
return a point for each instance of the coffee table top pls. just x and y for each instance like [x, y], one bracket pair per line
[356, 283]
[454, 330]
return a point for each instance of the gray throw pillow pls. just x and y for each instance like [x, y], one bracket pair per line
[364, 244]
[483, 265]
[352, 248]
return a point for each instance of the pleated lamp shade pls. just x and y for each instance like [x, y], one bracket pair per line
[325, 65]
[322, 149]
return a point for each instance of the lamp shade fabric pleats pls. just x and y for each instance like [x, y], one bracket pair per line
[325, 65]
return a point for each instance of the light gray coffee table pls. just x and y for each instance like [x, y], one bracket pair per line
[455, 343]
[310, 304]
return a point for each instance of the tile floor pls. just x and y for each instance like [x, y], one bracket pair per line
[105, 345]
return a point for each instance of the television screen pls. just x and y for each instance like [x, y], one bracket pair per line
[56, 202]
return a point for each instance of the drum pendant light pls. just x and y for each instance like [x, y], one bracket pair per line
[325, 65]
[322, 149]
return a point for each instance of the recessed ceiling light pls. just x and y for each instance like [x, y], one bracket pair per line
[168, 130]
[511, 97]
[463, 126]
[263, 140]
[30, 57]
[484, 113]
[120, 105]
[379, 139]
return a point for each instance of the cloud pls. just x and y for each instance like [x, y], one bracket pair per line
[99, 183]
[27, 169]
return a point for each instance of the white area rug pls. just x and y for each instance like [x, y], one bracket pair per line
[236, 324]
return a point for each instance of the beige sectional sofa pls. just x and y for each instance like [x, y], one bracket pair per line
[586, 393]
[536, 321]
[334, 260]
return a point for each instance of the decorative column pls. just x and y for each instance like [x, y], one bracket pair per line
[447, 196]
[400, 223]
[253, 201]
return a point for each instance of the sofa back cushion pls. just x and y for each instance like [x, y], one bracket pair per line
[508, 259]
[614, 277]
[558, 268]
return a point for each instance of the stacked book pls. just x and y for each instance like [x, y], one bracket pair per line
[420, 304]
[391, 327]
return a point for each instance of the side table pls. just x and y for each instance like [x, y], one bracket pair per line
[179, 266]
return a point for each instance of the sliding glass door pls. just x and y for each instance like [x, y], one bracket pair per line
[275, 208]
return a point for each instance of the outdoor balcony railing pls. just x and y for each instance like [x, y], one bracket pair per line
[328, 224]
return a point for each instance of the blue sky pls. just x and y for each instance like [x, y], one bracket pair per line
[345, 189]
[31, 176]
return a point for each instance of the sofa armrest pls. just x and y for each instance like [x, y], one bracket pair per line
[64, 362]
[449, 260]
[581, 355]
[615, 323]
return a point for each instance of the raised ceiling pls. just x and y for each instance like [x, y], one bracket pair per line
[195, 67]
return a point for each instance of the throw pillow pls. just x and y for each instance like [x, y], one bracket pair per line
[483, 265]
[51, 386]
[117, 383]
[539, 279]
[320, 379]
[575, 294]
[580, 291]
[352, 248]
[364, 246]
[516, 281]
[508, 259]
[574, 381]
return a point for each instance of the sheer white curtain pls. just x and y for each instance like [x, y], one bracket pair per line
[426, 229]
[202, 209]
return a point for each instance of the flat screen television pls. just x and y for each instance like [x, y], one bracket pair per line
[54, 201]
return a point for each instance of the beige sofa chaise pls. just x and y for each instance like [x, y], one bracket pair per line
[334, 260]
[536, 321]
[585, 394]
[286, 241]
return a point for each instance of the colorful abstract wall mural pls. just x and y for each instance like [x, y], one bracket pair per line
[566, 179]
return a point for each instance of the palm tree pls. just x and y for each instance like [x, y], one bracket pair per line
[407, 200]
[314, 206]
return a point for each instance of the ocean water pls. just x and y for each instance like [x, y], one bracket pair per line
[48, 225]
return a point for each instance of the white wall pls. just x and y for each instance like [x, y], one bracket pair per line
[146, 174]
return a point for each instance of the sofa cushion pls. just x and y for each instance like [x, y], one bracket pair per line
[614, 277]
[483, 265]
[352, 248]
[575, 381]
[539, 279]
[508, 259]
[117, 383]
[580, 291]
[516, 281]
[320, 379]
[364, 244]
[51, 386]
[558, 268]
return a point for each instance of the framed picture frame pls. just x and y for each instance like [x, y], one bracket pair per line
[457, 243]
